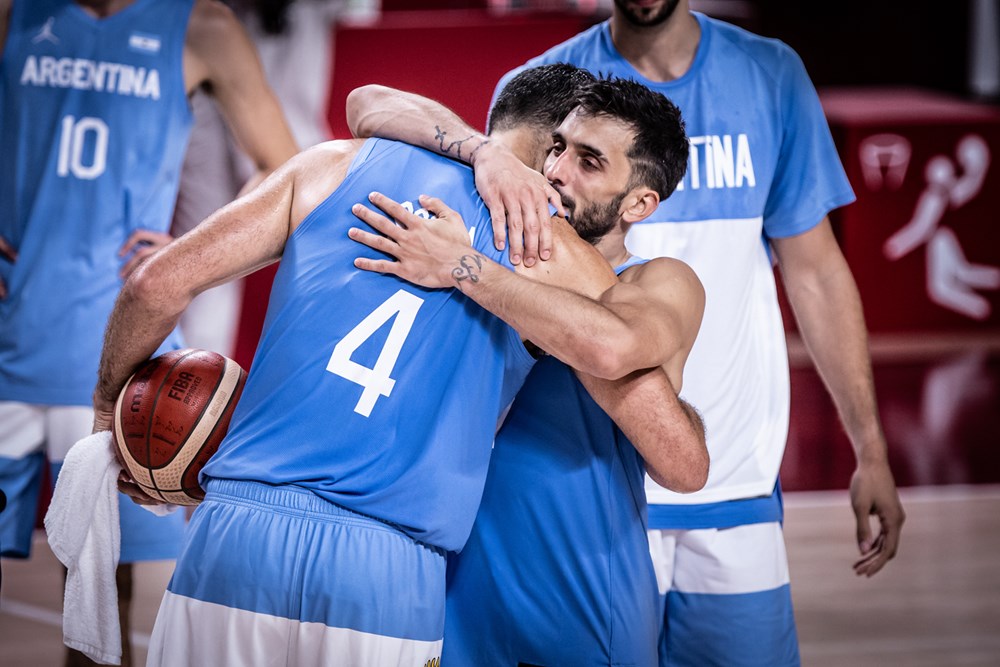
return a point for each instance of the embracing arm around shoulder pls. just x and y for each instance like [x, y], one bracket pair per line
[636, 323]
[609, 336]
[236, 240]
[664, 298]
[380, 111]
[517, 196]
[627, 340]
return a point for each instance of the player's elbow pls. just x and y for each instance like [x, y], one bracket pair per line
[604, 360]
[154, 289]
[683, 476]
[615, 356]
[360, 102]
[695, 476]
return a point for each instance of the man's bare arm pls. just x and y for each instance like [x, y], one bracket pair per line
[236, 240]
[220, 55]
[542, 303]
[380, 111]
[517, 196]
[582, 332]
[827, 308]
[629, 328]
[666, 431]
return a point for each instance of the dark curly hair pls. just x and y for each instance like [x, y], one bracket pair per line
[659, 151]
[540, 96]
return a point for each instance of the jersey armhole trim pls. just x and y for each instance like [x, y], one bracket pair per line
[363, 154]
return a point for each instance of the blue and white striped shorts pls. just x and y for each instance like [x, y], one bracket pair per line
[726, 597]
[278, 576]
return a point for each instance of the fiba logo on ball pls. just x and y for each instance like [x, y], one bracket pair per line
[170, 418]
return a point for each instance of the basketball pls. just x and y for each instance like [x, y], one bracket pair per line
[170, 418]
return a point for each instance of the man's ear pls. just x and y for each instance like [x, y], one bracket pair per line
[639, 204]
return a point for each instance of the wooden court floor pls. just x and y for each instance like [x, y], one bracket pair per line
[936, 605]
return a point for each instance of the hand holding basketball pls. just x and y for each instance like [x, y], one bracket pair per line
[170, 418]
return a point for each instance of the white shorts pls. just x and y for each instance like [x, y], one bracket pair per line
[35, 435]
[726, 596]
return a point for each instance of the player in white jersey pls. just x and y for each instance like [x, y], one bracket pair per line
[94, 124]
[762, 177]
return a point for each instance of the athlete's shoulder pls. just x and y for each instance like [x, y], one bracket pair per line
[315, 173]
[213, 31]
[771, 55]
[211, 15]
[334, 149]
[666, 275]
[417, 159]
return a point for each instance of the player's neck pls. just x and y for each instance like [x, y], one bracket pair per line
[103, 8]
[612, 246]
[660, 53]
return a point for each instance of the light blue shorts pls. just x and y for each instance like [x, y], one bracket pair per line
[277, 575]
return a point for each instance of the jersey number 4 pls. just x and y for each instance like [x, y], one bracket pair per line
[376, 381]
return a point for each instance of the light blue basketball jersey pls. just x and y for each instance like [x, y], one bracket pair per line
[93, 127]
[774, 158]
[375, 394]
[557, 569]
[762, 165]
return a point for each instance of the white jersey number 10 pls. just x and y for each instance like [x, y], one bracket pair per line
[73, 140]
[376, 380]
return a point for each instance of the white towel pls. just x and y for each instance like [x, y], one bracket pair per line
[85, 535]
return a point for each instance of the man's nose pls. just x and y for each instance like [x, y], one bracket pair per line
[555, 170]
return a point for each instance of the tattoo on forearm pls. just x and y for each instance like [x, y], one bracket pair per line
[475, 150]
[469, 267]
[446, 149]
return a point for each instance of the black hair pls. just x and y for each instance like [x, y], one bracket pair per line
[540, 96]
[659, 151]
[272, 14]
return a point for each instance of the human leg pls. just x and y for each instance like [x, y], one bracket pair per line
[22, 457]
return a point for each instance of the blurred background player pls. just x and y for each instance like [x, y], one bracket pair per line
[94, 125]
[294, 41]
[763, 175]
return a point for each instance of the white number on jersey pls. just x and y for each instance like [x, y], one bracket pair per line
[71, 144]
[376, 380]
